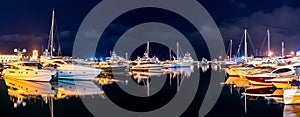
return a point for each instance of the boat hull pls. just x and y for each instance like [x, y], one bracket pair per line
[43, 76]
[146, 67]
[259, 79]
[77, 73]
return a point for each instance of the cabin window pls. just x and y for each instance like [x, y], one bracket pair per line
[133, 63]
[283, 70]
[49, 65]
[250, 65]
[59, 62]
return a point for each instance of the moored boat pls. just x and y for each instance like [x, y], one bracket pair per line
[28, 70]
[279, 72]
[71, 71]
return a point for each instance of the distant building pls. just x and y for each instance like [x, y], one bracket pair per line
[35, 55]
[8, 58]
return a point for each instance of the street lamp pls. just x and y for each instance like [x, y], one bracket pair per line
[20, 53]
[15, 50]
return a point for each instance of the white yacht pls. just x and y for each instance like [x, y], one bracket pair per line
[186, 61]
[27, 70]
[146, 63]
[64, 69]
[114, 59]
[284, 71]
[145, 66]
[204, 61]
[71, 71]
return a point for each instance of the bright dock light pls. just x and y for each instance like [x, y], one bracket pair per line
[292, 52]
[270, 53]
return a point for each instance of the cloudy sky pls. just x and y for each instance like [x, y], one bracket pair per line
[26, 23]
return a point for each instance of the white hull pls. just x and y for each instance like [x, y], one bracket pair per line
[184, 64]
[40, 75]
[73, 72]
[146, 67]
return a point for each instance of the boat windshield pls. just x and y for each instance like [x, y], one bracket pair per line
[134, 63]
[71, 62]
[283, 70]
[38, 65]
[270, 70]
[31, 64]
[59, 62]
[248, 65]
[144, 63]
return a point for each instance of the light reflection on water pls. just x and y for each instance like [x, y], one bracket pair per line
[64, 95]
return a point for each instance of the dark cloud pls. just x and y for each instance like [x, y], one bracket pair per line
[283, 23]
[239, 4]
[29, 42]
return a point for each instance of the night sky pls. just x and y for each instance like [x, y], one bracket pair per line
[26, 23]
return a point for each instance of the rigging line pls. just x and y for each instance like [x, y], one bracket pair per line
[233, 48]
[58, 36]
[262, 46]
[239, 49]
[251, 43]
[228, 48]
[150, 52]
[180, 50]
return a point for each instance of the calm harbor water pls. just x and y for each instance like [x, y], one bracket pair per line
[230, 102]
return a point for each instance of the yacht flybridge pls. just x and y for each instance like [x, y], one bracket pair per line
[145, 63]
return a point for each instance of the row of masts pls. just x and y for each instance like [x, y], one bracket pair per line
[170, 51]
[51, 42]
[269, 52]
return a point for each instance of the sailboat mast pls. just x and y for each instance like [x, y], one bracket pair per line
[246, 43]
[147, 48]
[51, 36]
[268, 31]
[230, 52]
[170, 53]
[177, 50]
[282, 48]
